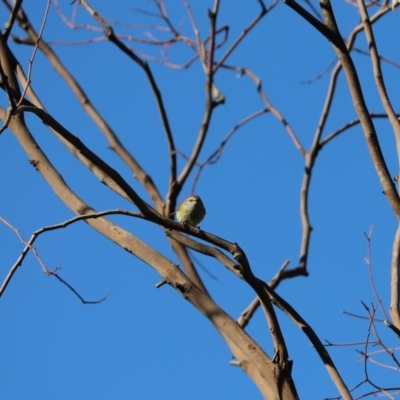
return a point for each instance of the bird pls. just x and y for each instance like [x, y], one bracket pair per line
[191, 211]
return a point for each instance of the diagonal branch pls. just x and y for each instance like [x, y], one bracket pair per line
[13, 15]
[255, 361]
[87, 105]
[360, 106]
[309, 332]
[378, 74]
[97, 165]
[245, 32]
[154, 87]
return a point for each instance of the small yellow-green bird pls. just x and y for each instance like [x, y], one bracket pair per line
[191, 211]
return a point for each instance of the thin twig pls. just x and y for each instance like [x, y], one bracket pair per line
[35, 48]
[368, 260]
[76, 293]
[36, 234]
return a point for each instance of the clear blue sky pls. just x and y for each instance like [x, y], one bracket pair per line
[148, 343]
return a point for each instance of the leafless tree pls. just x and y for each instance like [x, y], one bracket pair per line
[212, 49]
